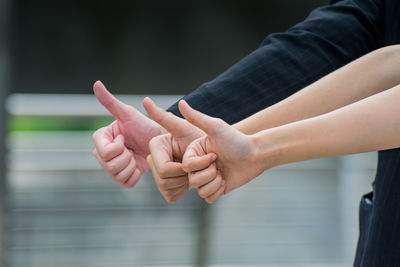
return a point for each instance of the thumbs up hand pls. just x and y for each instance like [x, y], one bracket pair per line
[122, 147]
[236, 153]
[167, 152]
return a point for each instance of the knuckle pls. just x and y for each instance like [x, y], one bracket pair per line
[94, 135]
[185, 166]
[112, 167]
[162, 183]
[213, 171]
[131, 185]
[202, 193]
[169, 197]
[155, 141]
[120, 178]
[163, 172]
[105, 154]
[209, 201]
[119, 147]
[193, 182]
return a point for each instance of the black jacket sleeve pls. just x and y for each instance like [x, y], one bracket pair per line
[327, 39]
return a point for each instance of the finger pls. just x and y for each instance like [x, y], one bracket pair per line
[172, 195]
[200, 178]
[123, 176]
[117, 164]
[169, 121]
[192, 163]
[106, 147]
[206, 123]
[132, 181]
[162, 159]
[117, 181]
[168, 182]
[175, 194]
[211, 188]
[214, 197]
[172, 183]
[118, 109]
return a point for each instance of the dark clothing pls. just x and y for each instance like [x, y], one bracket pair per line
[329, 38]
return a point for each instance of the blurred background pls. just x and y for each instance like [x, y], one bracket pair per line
[58, 208]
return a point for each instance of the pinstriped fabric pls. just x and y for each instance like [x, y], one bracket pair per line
[286, 62]
[382, 238]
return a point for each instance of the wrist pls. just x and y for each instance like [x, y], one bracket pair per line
[270, 148]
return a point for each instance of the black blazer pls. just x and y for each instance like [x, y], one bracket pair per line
[329, 38]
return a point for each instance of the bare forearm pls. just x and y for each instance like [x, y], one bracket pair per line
[364, 77]
[368, 125]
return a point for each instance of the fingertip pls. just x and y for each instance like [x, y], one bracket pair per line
[213, 157]
[183, 107]
[149, 106]
[147, 101]
[98, 85]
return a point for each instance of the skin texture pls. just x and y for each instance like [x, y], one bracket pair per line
[362, 78]
[167, 152]
[234, 150]
[122, 147]
[367, 125]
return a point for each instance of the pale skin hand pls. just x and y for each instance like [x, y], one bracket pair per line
[235, 150]
[167, 152]
[122, 147]
[364, 77]
[340, 88]
[368, 125]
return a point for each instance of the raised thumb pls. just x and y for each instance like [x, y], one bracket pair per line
[209, 125]
[118, 109]
[169, 121]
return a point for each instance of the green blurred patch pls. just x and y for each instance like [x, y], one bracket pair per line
[57, 123]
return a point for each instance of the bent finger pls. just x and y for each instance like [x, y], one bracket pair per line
[117, 164]
[200, 178]
[106, 146]
[126, 173]
[211, 188]
[162, 158]
[214, 197]
[132, 181]
[196, 163]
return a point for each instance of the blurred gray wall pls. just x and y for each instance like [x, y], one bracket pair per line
[139, 47]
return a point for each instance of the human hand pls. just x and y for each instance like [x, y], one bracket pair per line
[235, 151]
[122, 147]
[167, 151]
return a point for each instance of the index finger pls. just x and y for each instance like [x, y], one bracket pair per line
[193, 163]
[163, 159]
[106, 146]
